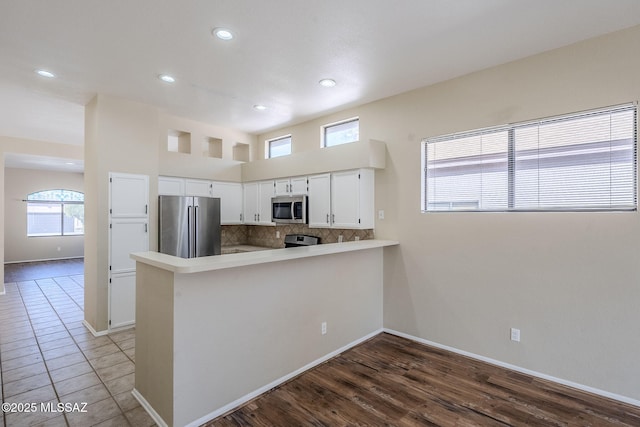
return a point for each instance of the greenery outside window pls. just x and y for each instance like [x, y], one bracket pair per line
[55, 213]
[342, 132]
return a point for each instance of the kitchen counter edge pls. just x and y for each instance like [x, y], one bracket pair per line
[220, 262]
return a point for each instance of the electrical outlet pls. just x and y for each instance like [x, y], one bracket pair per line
[340, 238]
[277, 234]
[380, 214]
[515, 334]
[323, 328]
[357, 238]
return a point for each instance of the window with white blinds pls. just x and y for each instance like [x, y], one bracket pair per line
[581, 161]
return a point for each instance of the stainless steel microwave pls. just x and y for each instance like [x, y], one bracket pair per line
[289, 210]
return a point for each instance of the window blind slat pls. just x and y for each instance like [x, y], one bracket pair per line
[582, 161]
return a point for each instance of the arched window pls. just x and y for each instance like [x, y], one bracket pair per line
[55, 213]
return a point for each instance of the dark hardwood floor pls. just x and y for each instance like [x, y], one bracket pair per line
[391, 381]
[23, 271]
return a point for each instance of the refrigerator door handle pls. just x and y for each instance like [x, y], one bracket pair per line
[189, 232]
[196, 227]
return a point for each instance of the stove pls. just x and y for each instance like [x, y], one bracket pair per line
[295, 240]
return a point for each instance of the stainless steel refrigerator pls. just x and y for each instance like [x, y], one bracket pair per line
[189, 227]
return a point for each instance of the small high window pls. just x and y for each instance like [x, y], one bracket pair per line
[342, 132]
[55, 213]
[280, 146]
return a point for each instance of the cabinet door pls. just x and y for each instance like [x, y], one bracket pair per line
[250, 203]
[282, 187]
[298, 185]
[345, 198]
[230, 194]
[319, 201]
[265, 194]
[170, 186]
[128, 195]
[122, 300]
[198, 188]
[126, 235]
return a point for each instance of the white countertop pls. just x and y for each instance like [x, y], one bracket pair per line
[219, 262]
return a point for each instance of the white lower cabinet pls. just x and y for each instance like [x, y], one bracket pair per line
[122, 299]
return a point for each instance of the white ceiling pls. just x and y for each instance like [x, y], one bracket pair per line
[282, 48]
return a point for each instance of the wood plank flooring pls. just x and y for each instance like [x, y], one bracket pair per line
[391, 381]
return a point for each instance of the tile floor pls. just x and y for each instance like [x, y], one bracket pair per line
[47, 355]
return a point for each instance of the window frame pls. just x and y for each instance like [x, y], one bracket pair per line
[512, 158]
[268, 143]
[60, 203]
[323, 132]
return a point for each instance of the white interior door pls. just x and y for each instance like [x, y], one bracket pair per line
[128, 232]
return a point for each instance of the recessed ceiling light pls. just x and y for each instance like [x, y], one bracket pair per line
[166, 78]
[327, 82]
[45, 73]
[222, 33]
[259, 107]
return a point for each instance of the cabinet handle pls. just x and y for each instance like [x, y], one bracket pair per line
[333, 218]
[288, 190]
[255, 217]
[327, 218]
[258, 217]
[240, 217]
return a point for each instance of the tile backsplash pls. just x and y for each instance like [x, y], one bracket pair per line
[266, 235]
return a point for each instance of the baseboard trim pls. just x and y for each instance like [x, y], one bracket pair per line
[516, 368]
[244, 399]
[44, 259]
[121, 328]
[93, 331]
[147, 407]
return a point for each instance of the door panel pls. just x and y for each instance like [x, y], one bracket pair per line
[127, 235]
[173, 224]
[207, 224]
[129, 195]
[122, 300]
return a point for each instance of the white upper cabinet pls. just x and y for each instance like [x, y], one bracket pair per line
[128, 195]
[264, 211]
[230, 195]
[198, 188]
[320, 201]
[257, 202]
[171, 186]
[342, 199]
[291, 186]
[352, 199]
[250, 203]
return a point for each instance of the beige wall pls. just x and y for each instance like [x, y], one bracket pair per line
[569, 281]
[129, 137]
[27, 146]
[17, 246]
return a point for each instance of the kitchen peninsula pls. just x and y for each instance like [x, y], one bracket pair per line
[214, 332]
